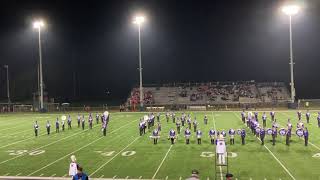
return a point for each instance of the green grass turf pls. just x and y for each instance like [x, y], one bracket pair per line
[252, 161]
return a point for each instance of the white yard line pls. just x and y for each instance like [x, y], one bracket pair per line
[114, 156]
[288, 172]
[220, 173]
[52, 175]
[18, 174]
[127, 177]
[164, 158]
[6, 174]
[78, 149]
[101, 176]
[114, 177]
[41, 175]
[140, 177]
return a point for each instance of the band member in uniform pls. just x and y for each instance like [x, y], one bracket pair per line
[205, 120]
[243, 136]
[318, 118]
[189, 122]
[141, 127]
[57, 125]
[104, 128]
[288, 136]
[144, 126]
[187, 134]
[48, 127]
[299, 115]
[62, 124]
[306, 136]
[97, 118]
[264, 119]
[69, 122]
[83, 122]
[158, 117]
[274, 135]
[195, 124]
[231, 134]
[159, 127]
[256, 116]
[243, 116]
[212, 135]
[173, 117]
[78, 120]
[183, 119]
[262, 135]
[155, 136]
[172, 136]
[36, 128]
[178, 124]
[308, 116]
[199, 134]
[90, 120]
[272, 114]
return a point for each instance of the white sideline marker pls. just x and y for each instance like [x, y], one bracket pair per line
[167, 178]
[114, 156]
[273, 155]
[114, 177]
[127, 177]
[180, 178]
[162, 162]
[250, 178]
[208, 178]
[18, 174]
[52, 175]
[41, 175]
[214, 126]
[101, 176]
[140, 177]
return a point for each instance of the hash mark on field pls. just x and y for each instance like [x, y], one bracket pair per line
[127, 177]
[140, 177]
[64, 175]
[180, 178]
[101, 176]
[162, 162]
[18, 174]
[6, 174]
[41, 175]
[208, 178]
[167, 178]
[114, 177]
[52, 175]
[265, 178]
[250, 178]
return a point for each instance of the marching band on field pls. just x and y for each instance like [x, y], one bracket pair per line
[80, 119]
[251, 119]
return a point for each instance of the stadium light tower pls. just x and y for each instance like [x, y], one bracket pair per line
[8, 85]
[139, 20]
[38, 25]
[291, 10]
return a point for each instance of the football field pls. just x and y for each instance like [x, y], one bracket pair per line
[126, 155]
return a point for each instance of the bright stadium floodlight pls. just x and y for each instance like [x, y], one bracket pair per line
[139, 20]
[291, 10]
[38, 25]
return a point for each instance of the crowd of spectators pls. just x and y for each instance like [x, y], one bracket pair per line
[135, 97]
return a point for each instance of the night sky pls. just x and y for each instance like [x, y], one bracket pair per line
[96, 44]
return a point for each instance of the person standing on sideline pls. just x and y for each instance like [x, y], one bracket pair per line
[57, 125]
[243, 136]
[48, 127]
[194, 175]
[73, 166]
[80, 175]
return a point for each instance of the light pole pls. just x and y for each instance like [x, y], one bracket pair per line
[291, 10]
[139, 20]
[38, 25]
[8, 84]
